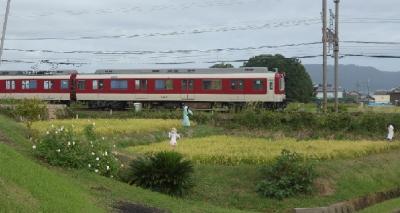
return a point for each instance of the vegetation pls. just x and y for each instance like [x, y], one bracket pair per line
[108, 127]
[288, 176]
[298, 83]
[61, 147]
[388, 206]
[30, 110]
[222, 65]
[165, 172]
[26, 186]
[228, 150]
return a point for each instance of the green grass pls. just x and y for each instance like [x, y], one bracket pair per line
[388, 206]
[29, 187]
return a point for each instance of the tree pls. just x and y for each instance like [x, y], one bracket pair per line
[298, 83]
[222, 65]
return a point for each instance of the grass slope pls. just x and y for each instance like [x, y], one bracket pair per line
[26, 186]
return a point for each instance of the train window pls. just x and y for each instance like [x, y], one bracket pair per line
[97, 84]
[164, 85]
[187, 85]
[281, 84]
[81, 84]
[10, 85]
[48, 84]
[271, 84]
[212, 85]
[237, 84]
[29, 84]
[64, 84]
[141, 84]
[258, 84]
[119, 84]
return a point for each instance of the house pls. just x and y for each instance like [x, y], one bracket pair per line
[330, 92]
[395, 96]
[381, 97]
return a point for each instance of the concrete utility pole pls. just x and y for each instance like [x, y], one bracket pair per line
[3, 34]
[336, 50]
[325, 55]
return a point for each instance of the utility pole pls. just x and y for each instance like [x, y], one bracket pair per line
[336, 50]
[325, 55]
[3, 34]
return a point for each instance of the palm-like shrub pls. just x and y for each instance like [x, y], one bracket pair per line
[165, 172]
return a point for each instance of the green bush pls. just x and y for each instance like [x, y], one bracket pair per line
[165, 172]
[62, 147]
[30, 110]
[288, 176]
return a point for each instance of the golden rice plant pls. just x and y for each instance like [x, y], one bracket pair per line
[228, 150]
[111, 126]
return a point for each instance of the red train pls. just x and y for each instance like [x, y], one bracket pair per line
[153, 87]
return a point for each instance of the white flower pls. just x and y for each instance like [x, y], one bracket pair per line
[34, 147]
[94, 124]
[73, 142]
[105, 153]
[92, 146]
[96, 170]
[97, 158]
[108, 168]
[58, 150]
[122, 165]
[52, 125]
[47, 132]
[62, 128]
[114, 146]
[69, 143]
[111, 176]
[103, 138]
[56, 132]
[93, 153]
[89, 165]
[91, 142]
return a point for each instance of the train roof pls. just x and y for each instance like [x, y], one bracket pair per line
[185, 71]
[37, 73]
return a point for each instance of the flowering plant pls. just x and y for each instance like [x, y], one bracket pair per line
[61, 146]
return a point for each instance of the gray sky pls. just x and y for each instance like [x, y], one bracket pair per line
[191, 33]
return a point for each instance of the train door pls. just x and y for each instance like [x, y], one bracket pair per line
[187, 89]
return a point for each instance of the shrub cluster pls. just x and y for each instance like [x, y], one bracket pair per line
[288, 176]
[165, 172]
[60, 146]
[370, 124]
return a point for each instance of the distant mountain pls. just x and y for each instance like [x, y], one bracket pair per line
[353, 77]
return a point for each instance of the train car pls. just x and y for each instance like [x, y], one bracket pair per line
[44, 85]
[201, 88]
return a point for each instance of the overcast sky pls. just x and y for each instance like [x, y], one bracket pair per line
[93, 34]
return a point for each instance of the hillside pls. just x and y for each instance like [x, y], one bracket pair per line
[353, 77]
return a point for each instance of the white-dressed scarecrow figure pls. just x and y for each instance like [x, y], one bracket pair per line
[186, 113]
[390, 132]
[174, 136]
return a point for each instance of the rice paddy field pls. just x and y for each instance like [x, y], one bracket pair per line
[228, 150]
[111, 126]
